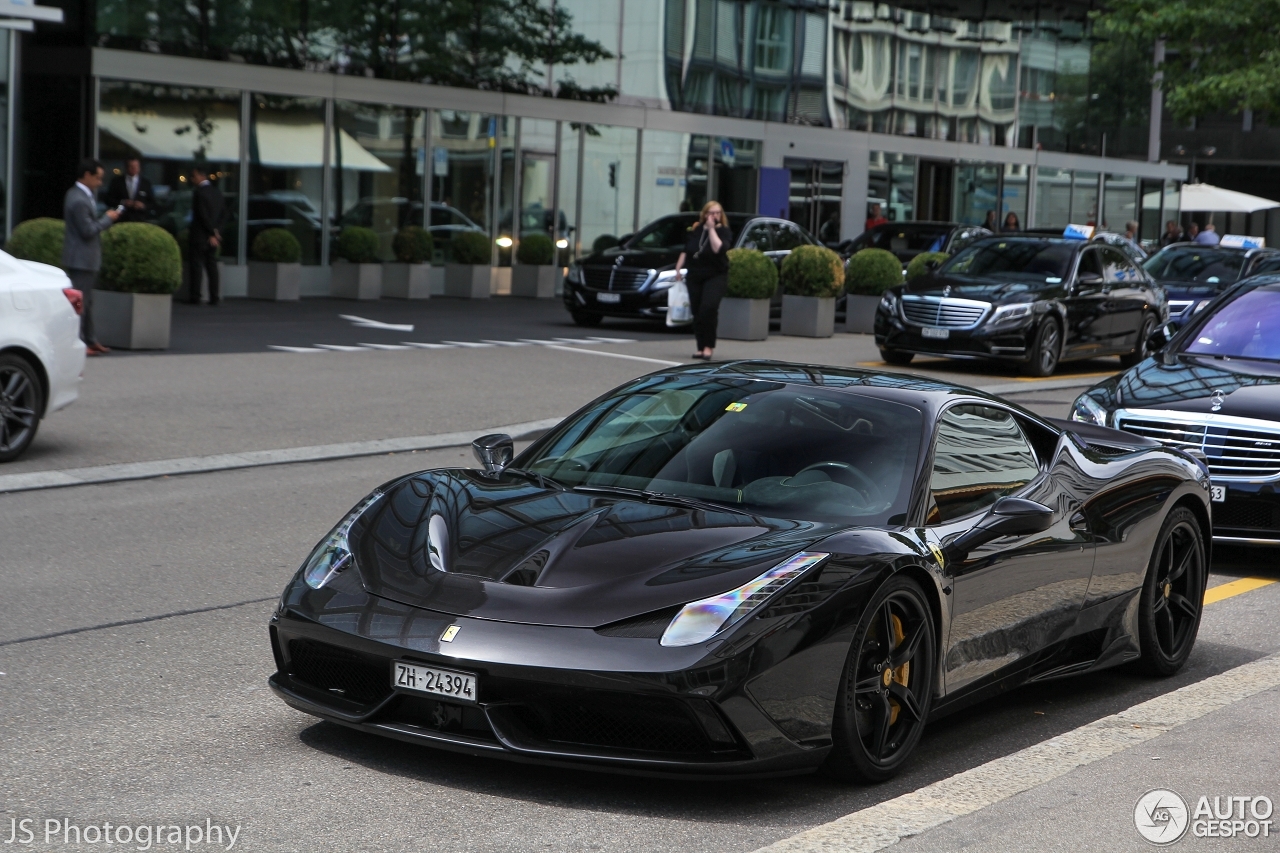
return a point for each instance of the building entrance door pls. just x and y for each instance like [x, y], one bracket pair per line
[817, 188]
[936, 181]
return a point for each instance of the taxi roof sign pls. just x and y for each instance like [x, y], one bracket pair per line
[1240, 241]
[1078, 232]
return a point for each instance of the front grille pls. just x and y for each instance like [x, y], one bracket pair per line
[1248, 515]
[943, 312]
[448, 717]
[614, 721]
[614, 278]
[338, 672]
[1233, 451]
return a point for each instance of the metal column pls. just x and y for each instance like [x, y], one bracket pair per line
[517, 189]
[555, 193]
[577, 208]
[428, 167]
[10, 122]
[326, 182]
[242, 219]
[635, 213]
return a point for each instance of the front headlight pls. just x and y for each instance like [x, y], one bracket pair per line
[575, 274]
[1087, 410]
[333, 554]
[889, 302]
[1011, 313]
[703, 619]
[666, 278]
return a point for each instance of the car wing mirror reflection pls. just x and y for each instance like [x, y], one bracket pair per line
[1007, 517]
[1088, 279]
[1161, 336]
[494, 452]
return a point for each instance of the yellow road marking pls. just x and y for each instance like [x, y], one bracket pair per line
[1227, 590]
[1064, 376]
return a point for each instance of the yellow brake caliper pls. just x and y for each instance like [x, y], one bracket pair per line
[899, 674]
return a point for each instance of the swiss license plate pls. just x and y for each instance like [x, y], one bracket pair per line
[1217, 494]
[437, 682]
[609, 298]
[936, 334]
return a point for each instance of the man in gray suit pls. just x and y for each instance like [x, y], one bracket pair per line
[82, 248]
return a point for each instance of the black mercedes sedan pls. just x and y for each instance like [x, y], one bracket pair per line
[1192, 274]
[631, 281]
[1033, 301]
[908, 239]
[750, 567]
[1214, 389]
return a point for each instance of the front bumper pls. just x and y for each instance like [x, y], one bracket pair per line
[1010, 342]
[1250, 515]
[645, 304]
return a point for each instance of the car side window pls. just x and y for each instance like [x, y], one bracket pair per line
[980, 456]
[1116, 268]
[1271, 263]
[1090, 263]
[759, 234]
[787, 237]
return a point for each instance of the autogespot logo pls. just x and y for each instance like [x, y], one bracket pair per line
[1161, 816]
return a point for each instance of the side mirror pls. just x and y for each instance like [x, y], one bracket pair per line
[1161, 337]
[494, 452]
[1007, 517]
[1088, 279]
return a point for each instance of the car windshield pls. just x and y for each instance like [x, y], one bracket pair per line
[765, 447]
[1040, 258]
[1246, 327]
[911, 238]
[670, 232]
[1208, 265]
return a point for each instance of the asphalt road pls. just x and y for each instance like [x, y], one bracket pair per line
[133, 640]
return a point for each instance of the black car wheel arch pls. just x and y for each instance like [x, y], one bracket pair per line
[1046, 348]
[1140, 348]
[1169, 616]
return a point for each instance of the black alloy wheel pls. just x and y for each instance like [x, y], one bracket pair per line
[1043, 358]
[581, 318]
[1140, 349]
[1173, 595]
[887, 687]
[896, 356]
[19, 406]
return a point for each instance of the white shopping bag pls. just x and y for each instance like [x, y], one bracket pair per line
[678, 311]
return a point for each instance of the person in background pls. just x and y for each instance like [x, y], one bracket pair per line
[207, 213]
[1011, 224]
[1131, 230]
[875, 217]
[82, 245]
[1193, 231]
[132, 191]
[1208, 237]
[706, 251]
[991, 223]
[1172, 233]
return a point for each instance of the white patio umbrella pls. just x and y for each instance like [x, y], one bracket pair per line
[1206, 197]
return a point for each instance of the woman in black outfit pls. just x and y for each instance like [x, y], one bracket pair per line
[706, 251]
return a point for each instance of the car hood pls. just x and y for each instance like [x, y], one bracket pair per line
[1188, 383]
[994, 290]
[634, 258]
[460, 543]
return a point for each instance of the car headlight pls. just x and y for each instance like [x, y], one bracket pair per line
[1087, 410]
[889, 302]
[333, 554]
[703, 619]
[575, 274]
[666, 278]
[1010, 313]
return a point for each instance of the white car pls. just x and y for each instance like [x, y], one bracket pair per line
[41, 354]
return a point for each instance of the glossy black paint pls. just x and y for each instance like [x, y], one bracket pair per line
[1184, 296]
[577, 640]
[908, 239]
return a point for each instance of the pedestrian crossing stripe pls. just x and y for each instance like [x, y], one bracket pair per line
[411, 345]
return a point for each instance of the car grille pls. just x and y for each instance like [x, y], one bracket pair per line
[1247, 515]
[339, 672]
[614, 278]
[620, 722]
[1233, 451]
[943, 312]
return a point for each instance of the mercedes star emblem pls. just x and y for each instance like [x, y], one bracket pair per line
[1217, 398]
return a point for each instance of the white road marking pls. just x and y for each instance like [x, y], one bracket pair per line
[365, 323]
[293, 349]
[541, 342]
[614, 340]
[886, 823]
[575, 340]
[505, 343]
[341, 348]
[470, 344]
[481, 344]
[428, 346]
[614, 355]
[385, 346]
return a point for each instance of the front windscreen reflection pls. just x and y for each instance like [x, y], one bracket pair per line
[1246, 327]
[810, 453]
[1044, 259]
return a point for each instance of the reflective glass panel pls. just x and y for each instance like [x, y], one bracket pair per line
[378, 163]
[286, 170]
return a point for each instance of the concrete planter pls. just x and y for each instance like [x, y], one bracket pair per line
[355, 281]
[534, 282]
[468, 281]
[743, 319]
[406, 281]
[275, 282]
[860, 314]
[132, 320]
[808, 316]
[500, 283]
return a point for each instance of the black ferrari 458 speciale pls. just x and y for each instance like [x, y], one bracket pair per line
[749, 567]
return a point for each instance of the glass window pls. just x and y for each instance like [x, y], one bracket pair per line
[758, 236]
[663, 174]
[538, 213]
[378, 163]
[168, 128]
[1117, 269]
[1017, 258]
[668, 232]
[286, 170]
[1014, 199]
[975, 200]
[462, 167]
[1246, 327]
[1090, 264]
[608, 185]
[1120, 204]
[1053, 197]
[774, 23]
[788, 237]
[1200, 264]
[737, 165]
[981, 456]
[892, 185]
[1084, 198]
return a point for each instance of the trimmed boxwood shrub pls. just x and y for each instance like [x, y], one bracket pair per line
[873, 271]
[812, 271]
[413, 245]
[917, 267]
[358, 245]
[751, 275]
[536, 250]
[276, 246]
[38, 240]
[471, 247]
[138, 257]
[604, 241]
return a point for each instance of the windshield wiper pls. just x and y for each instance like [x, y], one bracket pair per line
[541, 480]
[660, 498]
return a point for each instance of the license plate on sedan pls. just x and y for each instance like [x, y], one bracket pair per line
[436, 682]
[1218, 494]
[609, 298]
[935, 334]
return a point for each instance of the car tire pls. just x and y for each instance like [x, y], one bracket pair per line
[896, 356]
[1046, 350]
[1140, 352]
[877, 725]
[20, 406]
[581, 318]
[1172, 595]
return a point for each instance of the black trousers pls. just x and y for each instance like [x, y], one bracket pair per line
[706, 289]
[202, 258]
[83, 281]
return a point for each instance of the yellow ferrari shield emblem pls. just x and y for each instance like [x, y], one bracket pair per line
[938, 555]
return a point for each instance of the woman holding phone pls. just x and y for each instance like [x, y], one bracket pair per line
[706, 257]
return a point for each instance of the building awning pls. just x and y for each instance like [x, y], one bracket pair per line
[288, 144]
[1205, 197]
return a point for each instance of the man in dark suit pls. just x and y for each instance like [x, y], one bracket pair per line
[208, 210]
[132, 191]
[81, 247]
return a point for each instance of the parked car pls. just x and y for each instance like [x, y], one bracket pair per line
[631, 280]
[1033, 301]
[41, 354]
[1214, 390]
[386, 216]
[1193, 274]
[747, 567]
[908, 239]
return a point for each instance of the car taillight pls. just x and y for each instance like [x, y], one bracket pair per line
[76, 298]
